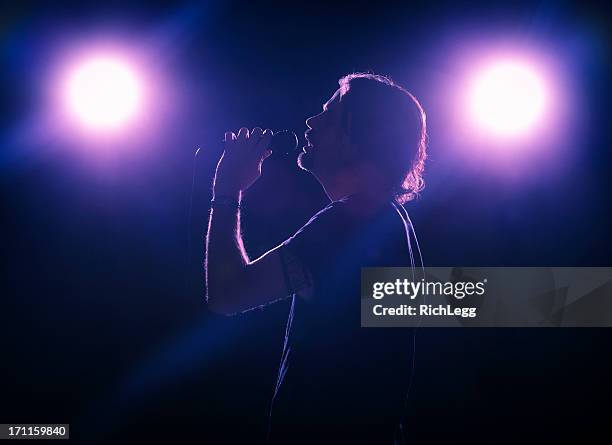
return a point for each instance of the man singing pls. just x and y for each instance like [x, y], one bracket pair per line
[337, 382]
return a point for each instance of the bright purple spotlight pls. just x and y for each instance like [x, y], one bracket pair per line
[507, 98]
[103, 93]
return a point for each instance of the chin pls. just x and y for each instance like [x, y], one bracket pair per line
[305, 161]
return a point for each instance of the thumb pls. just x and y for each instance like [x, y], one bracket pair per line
[263, 157]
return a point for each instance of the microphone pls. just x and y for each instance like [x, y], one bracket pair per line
[284, 144]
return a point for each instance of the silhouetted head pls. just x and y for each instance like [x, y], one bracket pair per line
[373, 126]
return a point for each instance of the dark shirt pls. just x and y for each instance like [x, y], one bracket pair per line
[339, 382]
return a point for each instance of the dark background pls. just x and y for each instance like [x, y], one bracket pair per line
[103, 321]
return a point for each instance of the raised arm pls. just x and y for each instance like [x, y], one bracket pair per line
[234, 283]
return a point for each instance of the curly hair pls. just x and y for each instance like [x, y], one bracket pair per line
[391, 129]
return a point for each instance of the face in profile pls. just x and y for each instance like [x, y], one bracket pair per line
[324, 138]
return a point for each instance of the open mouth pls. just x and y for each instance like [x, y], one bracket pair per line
[309, 143]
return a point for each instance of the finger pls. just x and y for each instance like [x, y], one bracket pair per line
[255, 136]
[229, 138]
[243, 134]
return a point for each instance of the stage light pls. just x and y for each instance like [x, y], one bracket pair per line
[103, 93]
[507, 99]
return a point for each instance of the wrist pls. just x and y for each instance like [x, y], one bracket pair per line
[225, 202]
[225, 191]
[228, 198]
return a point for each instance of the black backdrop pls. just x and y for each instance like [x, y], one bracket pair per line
[103, 321]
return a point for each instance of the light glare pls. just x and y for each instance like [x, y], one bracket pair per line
[507, 99]
[104, 93]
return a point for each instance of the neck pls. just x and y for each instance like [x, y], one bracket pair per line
[355, 180]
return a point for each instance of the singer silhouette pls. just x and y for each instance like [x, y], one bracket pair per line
[337, 382]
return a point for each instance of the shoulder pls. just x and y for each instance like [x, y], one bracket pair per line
[335, 213]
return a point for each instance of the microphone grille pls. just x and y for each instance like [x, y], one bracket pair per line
[284, 142]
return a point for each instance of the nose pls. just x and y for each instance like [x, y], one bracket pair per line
[311, 120]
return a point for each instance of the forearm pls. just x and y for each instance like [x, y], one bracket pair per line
[233, 282]
[225, 255]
